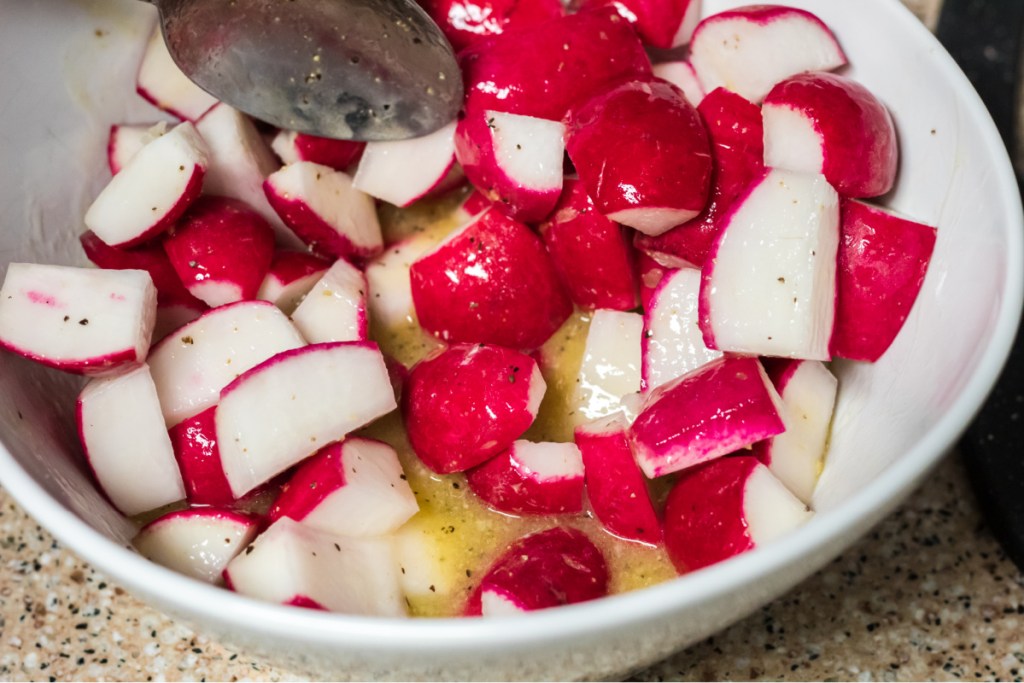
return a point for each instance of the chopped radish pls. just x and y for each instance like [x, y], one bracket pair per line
[883, 258]
[195, 446]
[80, 320]
[750, 49]
[171, 316]
[466, 22]
[724, 508]
[163, 84]
[335, 308]
[719, 408]
[290, 277]
[385, 172]
[531, 478]
[491, 281]
[769, 284]
[292, 146]
[660, 23]
[681, 75]
[651, 272]
[197, 543]
[193, 364]
[294, 564]
[643, 154]
[126, 444]
[293, 404]
[423, 567]
[390, 300]
[325, 210]
[673, 344]
[611, 363]
[514, 160]
[469, 403]
[125, 141]
[352, 488]
[153, 190]
[560, 566]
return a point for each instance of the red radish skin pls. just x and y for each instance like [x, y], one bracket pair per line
[290, 277]
[197, 542]
[466, 22]
[491, 282]
[125, 141]
[643, 155]
[469, 403]
[514, 481]
[305, 602]
[195, 446]
[161, 83]
[292, 146]
[681, 75]
[660, 23]
[719, 408]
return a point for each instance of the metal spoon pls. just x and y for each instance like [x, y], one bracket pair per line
[349, 69]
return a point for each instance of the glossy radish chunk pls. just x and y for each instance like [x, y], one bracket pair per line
[611, 363]
[883, 258]
[492, 282]
[560, 566]
[290, 277]
[294, 404]
[323, 208]
[769, 284]
[294, 564]
[750, 49]
[197, 543]
[424, 571]
[592, 254]
[719, 408]
[125, 140]
[531, 478]
[335, 308]
[126, 444]
[152, 191]
[466, 22]
[80, 320]
[352, 488]
[291, 146]
[514, 160]
[385, 172]
[660, 23]
[724, 508]
[390, 300]
[191, 365]
[643, 154]
[469, 403]
[194, 440]
[163, 84]
[681, 75]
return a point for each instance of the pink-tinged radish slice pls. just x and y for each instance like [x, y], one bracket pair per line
[531, 478]
[469, 403]
[169, 317]
[290, 406]
[290, 277]
[291, 147]
[492, 282]
[152, 191]
[191, 365]
[390, 300]
[352, 488]
[719, 408]
[294, 564]
[883, 258]
[769, 284]
[126, 140]
[681, 75]
[163, 84]
[467, 22]
[385, 172]
[643, 154]
[197, 543]
[80, 320]
[611, 363]
[325, 210]
[828, 124]
[660, 24]
[673, 344]
[724, 508]
[560, 566]
[750, 49]
[126, 444]
[195, 446]
[335, 308]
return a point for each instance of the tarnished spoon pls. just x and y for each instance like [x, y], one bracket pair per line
[349, 69]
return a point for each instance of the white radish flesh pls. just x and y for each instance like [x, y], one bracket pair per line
[126, 140]
[334, 310]
[163, 84]
[385, 171]
[292, 274]
[198, 542]
[611, 363]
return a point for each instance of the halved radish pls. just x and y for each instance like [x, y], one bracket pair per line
[292, 146]
[769, 284]
[80, 320]
[294, 564]
[294, 404]
[724, 508]
[750, 49]
[153, 190]
[126, 444]
[195, 446]
[352, 488]
[385, 172]
[681, 74]
[335, 308]
[163, 84]
[193, 364]
[611, 364]
[198, 542]
[660, 23]
[390, 300]
[125, 140]
[469, 403]
[531, 478]
[325, 210]
[466, 22]
[719, 408]
[291, 275]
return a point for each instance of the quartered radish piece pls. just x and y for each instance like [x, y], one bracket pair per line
[467, 22]
[194, 440]
[198, 542]
[294, 564]
[125, 141]
[531, 478]
[163, 84]
[292, 146]
[334, 310]
[769, 284]
[424, 570]
[80, 320]
[681, 75]
[659, 23]
[611, 364]
[750, 49]
[290, 277]
[390, 298]
[719, 408]
[385, 172]
[724, 508]
[294, 404]
[352, 488]
[126, 444]
[153, 190]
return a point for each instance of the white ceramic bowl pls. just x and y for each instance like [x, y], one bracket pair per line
[67, 74]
